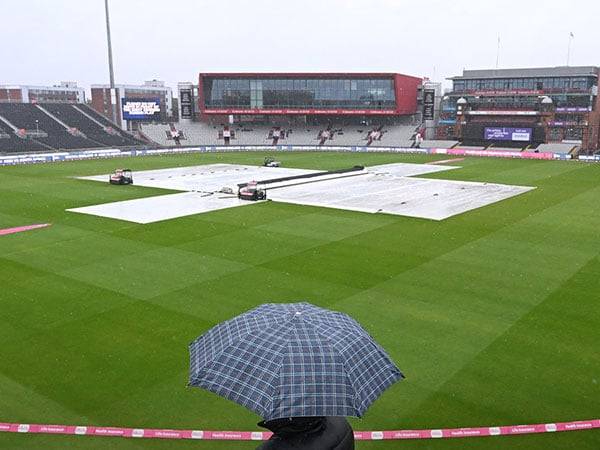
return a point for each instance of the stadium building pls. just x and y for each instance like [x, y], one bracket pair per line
[300, 108]
[65, 92]
[307, 97]
[553, 107]
[152, 101]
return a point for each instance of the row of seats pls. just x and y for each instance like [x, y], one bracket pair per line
[52, 134]
[199, 133]
[69, 126]
[559, 148]
[26, 127]
[438, 143]
[94, 126]
[9, 142]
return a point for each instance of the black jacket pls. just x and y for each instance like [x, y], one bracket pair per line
[309, 433]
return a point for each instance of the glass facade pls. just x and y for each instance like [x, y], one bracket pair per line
[509, 84]
[300, 93]
[527, 102]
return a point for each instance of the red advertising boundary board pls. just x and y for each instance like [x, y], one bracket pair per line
[442, 433]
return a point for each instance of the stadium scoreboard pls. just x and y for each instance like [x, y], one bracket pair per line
[141, 109]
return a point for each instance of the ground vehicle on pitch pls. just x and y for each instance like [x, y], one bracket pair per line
[121, 176]
[271, 162]
[251, 191]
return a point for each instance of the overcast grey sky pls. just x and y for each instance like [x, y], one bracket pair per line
[46, 41]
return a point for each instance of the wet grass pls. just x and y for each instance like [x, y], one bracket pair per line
[493, 315]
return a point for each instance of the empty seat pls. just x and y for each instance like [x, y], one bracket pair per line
[93, 129]
[28, 117]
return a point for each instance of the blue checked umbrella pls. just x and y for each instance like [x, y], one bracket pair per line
[292, 360]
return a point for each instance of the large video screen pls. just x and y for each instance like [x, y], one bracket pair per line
[141, 108]
[508, 134]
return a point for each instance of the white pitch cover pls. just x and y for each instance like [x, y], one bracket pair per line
[390, 189]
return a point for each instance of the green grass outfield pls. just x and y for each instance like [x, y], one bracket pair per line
[493, 315]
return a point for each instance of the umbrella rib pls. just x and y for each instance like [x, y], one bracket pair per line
[355, 325]
[269, 406]
[276, 321]
[265, 330]
[334, 349]
[358, 327]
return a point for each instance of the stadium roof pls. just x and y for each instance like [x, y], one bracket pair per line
[146, 87]
[304, 74]
[537, 72]
[73, 87]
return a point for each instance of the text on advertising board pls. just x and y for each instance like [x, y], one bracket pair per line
[507, 134]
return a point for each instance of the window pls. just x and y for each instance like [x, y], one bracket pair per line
[300, 93]
[555, 134]
[579, 83]
[574, 134]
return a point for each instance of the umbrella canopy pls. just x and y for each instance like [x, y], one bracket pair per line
[292, 360]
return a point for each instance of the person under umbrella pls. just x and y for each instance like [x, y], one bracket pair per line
[302, 368]
[309, 433]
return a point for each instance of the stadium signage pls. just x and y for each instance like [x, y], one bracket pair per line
[444, 433]
[492, 153]
[141, 108]
[502, 113]
[555, 123]
[428, 104]
[114, 153]
[525, 92]
[511, 92]
[302, 111]
[508, 134]
[186, 111]
[572, 109]
[185, 99]
[185, 96]
[589, 158]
